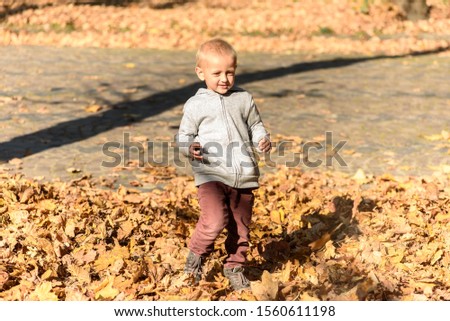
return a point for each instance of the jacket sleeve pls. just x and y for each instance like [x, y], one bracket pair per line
[188, 130]
[257, 130]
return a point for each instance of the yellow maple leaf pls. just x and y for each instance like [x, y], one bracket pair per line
[107, 292]
[43, 292]
[107, 259]
[125, 229]
[266, 289]
[18, 217]
[276, 216]
[27, 194]
[70, 228]
[48, 274]
[81, 274]
[47, 205]
[93, 108]
[122, 283]
[330, 251]
[103, 262]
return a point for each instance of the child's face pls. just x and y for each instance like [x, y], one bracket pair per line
[217, 71]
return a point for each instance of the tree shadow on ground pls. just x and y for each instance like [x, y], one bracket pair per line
[118, 114]
[308, 245]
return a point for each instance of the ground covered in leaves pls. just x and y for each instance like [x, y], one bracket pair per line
[317, 27]
[315, 236]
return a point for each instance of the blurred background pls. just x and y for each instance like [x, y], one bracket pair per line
[278, 26]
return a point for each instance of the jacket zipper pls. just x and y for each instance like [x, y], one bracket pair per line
[224, 112]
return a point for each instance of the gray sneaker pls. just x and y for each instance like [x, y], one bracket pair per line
[238, 281]
[193, 266]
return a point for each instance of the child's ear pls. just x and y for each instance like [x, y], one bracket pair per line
[199, 73]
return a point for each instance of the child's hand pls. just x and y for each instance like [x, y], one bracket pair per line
[195, 151]
[264, 145]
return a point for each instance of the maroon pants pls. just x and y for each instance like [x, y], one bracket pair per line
[223, 207]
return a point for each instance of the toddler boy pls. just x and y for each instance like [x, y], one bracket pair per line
[219, 128]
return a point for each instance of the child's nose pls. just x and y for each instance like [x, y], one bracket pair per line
[223, 78]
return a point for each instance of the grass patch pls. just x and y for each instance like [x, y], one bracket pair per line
[324, 31]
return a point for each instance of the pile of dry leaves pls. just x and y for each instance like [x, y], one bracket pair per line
[315, 236]
[336, 26]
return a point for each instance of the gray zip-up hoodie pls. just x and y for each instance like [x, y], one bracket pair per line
[227, 127]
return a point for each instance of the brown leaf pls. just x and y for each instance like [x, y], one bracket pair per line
[47, 205]
[70, 228]
[364, 288]
[286, 272]
[93, 108]
[89, 256]
[320, 243]
[135, 183]
[81, 274]
[195, 296]
[134, 198]
[19, 217]
[266, 289]
[27, 194]
[49, 274]
[125, 229]
[43, 292]
[436, 257]
[106, 291]
[3, 278]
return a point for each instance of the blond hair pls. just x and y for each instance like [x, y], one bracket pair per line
[217, 47]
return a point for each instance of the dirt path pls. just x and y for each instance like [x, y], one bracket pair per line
[60, 106]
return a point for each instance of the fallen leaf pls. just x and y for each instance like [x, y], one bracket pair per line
[80, 273]
[360, 176]
[321, 242]
[27, 194]
[266, 289]
[3, 278]
[445, 134]
[125, 229]
[93, 108]
[134, 198]
[277, 216]
[15, 161]
[43, 292]
[106, 291]
[19, 217]
[436, 257]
